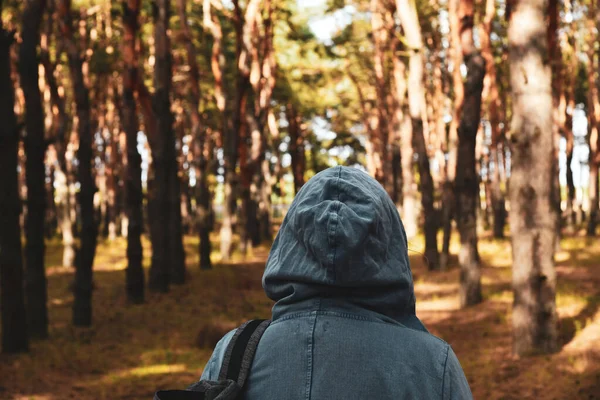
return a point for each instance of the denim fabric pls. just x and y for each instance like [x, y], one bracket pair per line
[344, 323]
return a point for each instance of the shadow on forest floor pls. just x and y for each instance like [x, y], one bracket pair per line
[131, 351]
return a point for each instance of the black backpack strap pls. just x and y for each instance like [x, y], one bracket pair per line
[240, 351]
[234, 370]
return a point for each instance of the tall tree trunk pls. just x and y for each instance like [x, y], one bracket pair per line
[82, 305]
[380, 138]
[231, 137]
[134, 275]
[15, 337]
[569, 89]
[247, 38]
[35, 149]
[59, 135]
[492, 96]
[532, 212]
[409, 20]
[593, 111]
[203, 211]
[212, 24]
[169, 265]
[466, 184]
[262, 80]
[409, 210]
[448, 195]
[555, 57]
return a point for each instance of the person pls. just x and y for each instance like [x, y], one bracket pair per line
[344, 323]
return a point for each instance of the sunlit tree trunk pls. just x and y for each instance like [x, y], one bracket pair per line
[532, 212]
[270, 134]
[134, 275]
[12, 297]
[60, 140]
[380, 138]
[448, 196]
[409, 20]
[202, 195]
[82, 305]
[409, 208]
[466, 184]
[492, 98]
[593, 111]
[35, 149]
[212, 24]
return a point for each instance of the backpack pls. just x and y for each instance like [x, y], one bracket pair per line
[234, 370]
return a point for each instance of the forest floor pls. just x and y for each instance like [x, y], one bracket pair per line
[132, 350]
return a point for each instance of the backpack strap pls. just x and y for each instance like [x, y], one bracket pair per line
[236, 366]
[240, 351]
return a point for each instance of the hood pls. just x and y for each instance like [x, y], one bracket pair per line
[342, 242]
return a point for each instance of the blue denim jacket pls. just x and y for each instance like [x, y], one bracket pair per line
[344, 323]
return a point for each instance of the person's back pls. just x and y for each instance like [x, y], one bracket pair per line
[344, 323]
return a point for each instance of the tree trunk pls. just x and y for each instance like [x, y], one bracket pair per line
[569, 90]
[409, 208]
[59, 128]
[50, 223]
[296, 147]
[491, 94]
[409, 20]
[35, 149]
[555, 57]
[593, 111]
[82, 305]
[12, 297]
[262, 80]
[169, 264]
[203, 212]
[134, 275]
[532, 212]
[248, 75]
[466, 184]
[212, 24]
[448, 195]
[380, 138]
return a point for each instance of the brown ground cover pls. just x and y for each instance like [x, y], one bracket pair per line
[133, 350]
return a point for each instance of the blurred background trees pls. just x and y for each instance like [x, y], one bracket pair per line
[167, 119]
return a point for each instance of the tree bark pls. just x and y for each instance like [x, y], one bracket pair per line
[15, 337]
[492, 96]
[466, 184]
[169, 264]
[555, 57]
[203, 211]
[134, 275]
[532, 212]
[82, 305]
[59, 136]
[381, 134]
[35, 149]
[212, 24]
[409, 20]
[569, 92]
[448, 195]
[593, 111]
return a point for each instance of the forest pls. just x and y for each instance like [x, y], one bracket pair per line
[149, 151]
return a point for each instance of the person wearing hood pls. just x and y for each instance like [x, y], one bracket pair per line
[344, 323]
